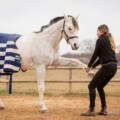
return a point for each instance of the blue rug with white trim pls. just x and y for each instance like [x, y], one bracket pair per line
[9, 54]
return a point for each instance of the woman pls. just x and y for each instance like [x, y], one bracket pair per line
[104, 54]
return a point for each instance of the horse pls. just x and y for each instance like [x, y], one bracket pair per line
[41, 49]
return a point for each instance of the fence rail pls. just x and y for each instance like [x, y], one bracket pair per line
[69, 81]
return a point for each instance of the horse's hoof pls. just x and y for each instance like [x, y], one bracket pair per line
[91, 74]
[45, 112]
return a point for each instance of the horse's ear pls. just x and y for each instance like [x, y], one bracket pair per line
[66, 18]
[76, 18]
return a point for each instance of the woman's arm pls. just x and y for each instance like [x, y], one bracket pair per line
[95, 54]
[96, 63]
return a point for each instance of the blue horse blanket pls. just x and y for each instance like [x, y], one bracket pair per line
[9, 55]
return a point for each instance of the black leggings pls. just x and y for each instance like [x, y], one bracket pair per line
[99, 81]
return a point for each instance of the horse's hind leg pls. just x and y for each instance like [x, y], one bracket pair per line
[2, 106]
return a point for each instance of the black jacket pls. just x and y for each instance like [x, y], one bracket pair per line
[103, 52]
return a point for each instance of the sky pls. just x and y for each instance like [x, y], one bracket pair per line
[26, 16]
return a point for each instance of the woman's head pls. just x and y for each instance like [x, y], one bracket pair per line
[103, 29]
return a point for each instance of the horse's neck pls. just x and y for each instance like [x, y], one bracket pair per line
[53, 34]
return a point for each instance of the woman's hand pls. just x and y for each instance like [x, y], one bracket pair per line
[87, 69]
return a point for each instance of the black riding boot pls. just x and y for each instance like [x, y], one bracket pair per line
[103, 111]
[90, 112]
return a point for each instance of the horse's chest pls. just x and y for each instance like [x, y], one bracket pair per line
[46, 57]
[50, 58]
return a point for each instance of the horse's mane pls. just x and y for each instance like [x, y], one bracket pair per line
[55, 20]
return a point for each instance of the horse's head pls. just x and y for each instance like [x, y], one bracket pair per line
[70, 31]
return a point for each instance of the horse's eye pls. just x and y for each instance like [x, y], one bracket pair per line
[69, 28]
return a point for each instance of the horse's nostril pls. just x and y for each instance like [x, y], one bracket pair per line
[75, 45]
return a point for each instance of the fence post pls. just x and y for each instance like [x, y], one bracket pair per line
[70, 80]
[10, 84]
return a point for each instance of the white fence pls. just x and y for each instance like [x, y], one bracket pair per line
[70, 81]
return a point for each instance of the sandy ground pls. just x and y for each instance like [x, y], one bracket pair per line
[61, 108]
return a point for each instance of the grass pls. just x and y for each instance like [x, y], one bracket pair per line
[72, 94]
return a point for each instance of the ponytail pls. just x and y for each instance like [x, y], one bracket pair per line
[113, 46]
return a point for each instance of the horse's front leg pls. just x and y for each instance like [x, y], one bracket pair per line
[2, 106]
[62, 61]
[41, 88]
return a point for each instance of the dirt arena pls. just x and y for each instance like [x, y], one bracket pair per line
[61, 108]
[23, 103]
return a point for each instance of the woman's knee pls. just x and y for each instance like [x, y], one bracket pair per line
[90, 86]
[100, 88]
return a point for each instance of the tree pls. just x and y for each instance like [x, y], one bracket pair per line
[87, 46]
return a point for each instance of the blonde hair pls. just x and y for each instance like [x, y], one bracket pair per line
[105, 30]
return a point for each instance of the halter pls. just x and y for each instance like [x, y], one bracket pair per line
[68, 38]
